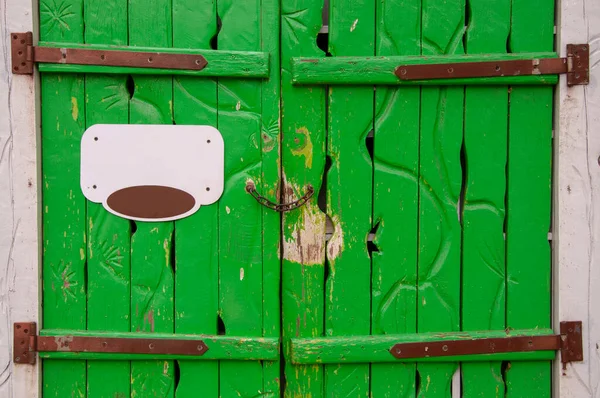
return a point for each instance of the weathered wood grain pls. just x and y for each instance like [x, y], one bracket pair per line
[240, 217]
[64, 213]
[395, 198]
[222, 63]
[576, 227]
[529, 198]
[108, 236]
[20, 242]
[152, 279]
[485, 152]
[303, 160]
[380, 70]
[196, 239]
[365, 349]
[438, 297]
[349, 196]
[219, 347]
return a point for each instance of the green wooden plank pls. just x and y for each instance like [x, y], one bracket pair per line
[395, 197]
[196, 240]
[240, 217]
[219, 347]
[109, 245]
[303, 156]
[64, 210]
[528, 260]
[349, 196]
[483, 258]
[247, 64]
[438, 297]
[365, 349]
[380, 70]
[271, 176]
[152, 277]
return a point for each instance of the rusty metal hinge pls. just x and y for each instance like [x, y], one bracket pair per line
[25, 55]
[576, 65]
[569, 342]
[26, 343]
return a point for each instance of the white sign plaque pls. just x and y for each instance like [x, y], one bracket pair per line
[152, 172]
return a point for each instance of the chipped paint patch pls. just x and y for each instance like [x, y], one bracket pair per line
[227, 210]
[241, 274]
[306, 242]
[303, 146]
[238, 106]
[336, 243]
[74, 108]
[354, 25]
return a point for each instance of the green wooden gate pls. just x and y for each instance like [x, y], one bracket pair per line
[430, 217]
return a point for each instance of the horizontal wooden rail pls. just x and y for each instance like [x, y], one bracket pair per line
[220, 63]
[376, 349]
[381, 70]
[219, 347]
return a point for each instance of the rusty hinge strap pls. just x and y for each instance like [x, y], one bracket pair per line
[27, 343]
[576, 65]
[25, 55]
[569, 342]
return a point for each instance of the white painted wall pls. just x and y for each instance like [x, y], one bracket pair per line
[18, 203]
[577, 190]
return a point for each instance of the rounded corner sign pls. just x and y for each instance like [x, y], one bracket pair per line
[152, 172]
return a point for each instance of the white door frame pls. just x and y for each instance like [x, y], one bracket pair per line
[576, 231]
[19, 192]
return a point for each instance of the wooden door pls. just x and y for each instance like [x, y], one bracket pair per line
[215, 273]
[437, 198]
[430, 217]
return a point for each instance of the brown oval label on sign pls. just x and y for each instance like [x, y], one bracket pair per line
[151, 202]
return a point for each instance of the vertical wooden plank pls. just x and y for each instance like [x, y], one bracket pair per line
[271, 164]
[63, 123]
[483, 258]
[240, 217]
[109, 241]
[303, 156]
[395, 198]
[576, 229]
[529, 197]
[152, 277]
[349, 196]
[196, 239]
[438, 297]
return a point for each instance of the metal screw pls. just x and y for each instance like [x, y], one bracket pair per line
[95, 138]
[450, 70]
[207, 189]
[398, 351]
[151, 346]
[403, 71]
[150, 59]
[208, 141]
[497, 68]
[444, 348]
[197, 62]
[15, 37]
[200, 348]
[94, 187]
[17, 359]
[102, 57]
[104, 344]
